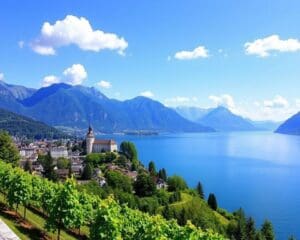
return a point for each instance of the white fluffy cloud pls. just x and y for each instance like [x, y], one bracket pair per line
[148, 94]
[224, 100]
[198, 52]
[77, 31]
[73, 75]
[104, 84]
[1, 76]
[277, 108]
[262, 47]
[49, 80]
[277, 102]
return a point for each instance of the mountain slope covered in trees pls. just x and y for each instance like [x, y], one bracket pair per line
[21, 126]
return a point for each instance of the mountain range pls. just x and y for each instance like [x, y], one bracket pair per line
[290, 126]
[17, 125]
[222, 119]
[78, 106]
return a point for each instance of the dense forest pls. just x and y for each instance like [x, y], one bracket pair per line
[21, 126]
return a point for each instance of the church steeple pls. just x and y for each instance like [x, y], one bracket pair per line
[90, 129]
[90, 138]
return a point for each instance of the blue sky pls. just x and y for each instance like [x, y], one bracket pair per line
[151, 50]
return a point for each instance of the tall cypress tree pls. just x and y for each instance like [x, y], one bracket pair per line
[199, 189]
[212, 201]
[152, 168]
[250, 229]
[241, 225]
[267, 230]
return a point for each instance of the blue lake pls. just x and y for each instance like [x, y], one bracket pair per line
[258, 171]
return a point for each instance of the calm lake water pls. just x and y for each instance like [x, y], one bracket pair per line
[258, 171]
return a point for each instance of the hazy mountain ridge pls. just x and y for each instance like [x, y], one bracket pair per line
[192, 113]
[18, 92]
[222, 119]
[290, 126]
[78, 106]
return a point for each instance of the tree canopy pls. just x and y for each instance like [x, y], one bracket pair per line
[8, 150]
[129, 150]
[176, 183]
[144, 185]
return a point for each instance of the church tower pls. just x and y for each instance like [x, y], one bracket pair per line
[90, 138]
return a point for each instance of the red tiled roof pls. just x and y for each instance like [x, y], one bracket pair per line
[105, 141]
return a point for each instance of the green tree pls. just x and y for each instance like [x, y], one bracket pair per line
[200, 191]
[118, 180]
[241, 229]
[182, 217]
[37, 191]
[148, 204]
[20, 190]
[87, 216]
[65, 209]
[94, 158]
[135, 165]
[63, 163]
[144, 185]
[87, 172]
[48, 167]
[109, 157]
[250, 229]
[212, 201]
[8, 150]
[267, 230]
[167, 213]
[152, 168]
[259, 236]
[162, 174]
[108, 222]
[129, 150]
[176, 183]
[175, 197]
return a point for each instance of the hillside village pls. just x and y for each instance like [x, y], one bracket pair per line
[70, 157]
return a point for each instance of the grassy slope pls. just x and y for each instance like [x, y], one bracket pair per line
[199, 205]
[23, 228]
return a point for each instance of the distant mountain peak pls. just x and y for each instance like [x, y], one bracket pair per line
[222, 109]
[222, 119]
[43, 93]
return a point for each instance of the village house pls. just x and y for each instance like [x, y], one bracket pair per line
[58, 152]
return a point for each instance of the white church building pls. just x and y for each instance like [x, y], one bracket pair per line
[94, 145]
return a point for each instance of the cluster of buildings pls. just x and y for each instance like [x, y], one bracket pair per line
[30, 152]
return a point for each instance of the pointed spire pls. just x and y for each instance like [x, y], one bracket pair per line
[90, 129]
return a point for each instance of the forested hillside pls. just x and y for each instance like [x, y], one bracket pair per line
[18, 125]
